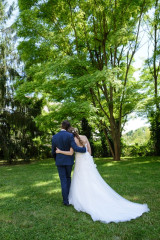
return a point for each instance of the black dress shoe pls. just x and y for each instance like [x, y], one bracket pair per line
[66, 204]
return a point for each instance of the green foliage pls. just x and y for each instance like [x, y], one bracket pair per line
[151, 77]
[78, 57]
[86, 130]
[17, 126]
[101, 148]
[155, 131]
[139, 136]
[137, 143]
[8, 73]
[138, 150]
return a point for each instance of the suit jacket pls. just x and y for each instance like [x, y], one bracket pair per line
[64, 141]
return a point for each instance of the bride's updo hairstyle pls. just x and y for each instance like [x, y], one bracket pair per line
[75, 134]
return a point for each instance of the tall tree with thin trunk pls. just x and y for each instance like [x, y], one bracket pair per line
[7, 74]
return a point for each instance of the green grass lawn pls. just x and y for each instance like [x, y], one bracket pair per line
[31, 204]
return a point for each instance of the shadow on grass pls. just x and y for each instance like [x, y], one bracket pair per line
[128, 160]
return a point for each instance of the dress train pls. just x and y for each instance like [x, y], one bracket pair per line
[91, 194]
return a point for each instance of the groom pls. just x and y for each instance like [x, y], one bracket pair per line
[64, 141]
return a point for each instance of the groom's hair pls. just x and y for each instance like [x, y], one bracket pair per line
[66, 125]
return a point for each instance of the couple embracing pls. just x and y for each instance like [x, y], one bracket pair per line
[88, 192]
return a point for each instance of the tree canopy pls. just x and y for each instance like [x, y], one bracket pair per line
[78, 58]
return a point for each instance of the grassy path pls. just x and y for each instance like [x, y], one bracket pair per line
[31, 204]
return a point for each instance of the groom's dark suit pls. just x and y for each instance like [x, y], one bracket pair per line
[64, 141]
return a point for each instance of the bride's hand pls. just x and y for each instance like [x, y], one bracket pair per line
[58, 150]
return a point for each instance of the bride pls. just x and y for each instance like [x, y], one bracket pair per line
[91, 194]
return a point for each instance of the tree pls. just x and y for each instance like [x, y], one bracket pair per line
[7, 75]
[151, 75]
[17, 128]
[79, 53]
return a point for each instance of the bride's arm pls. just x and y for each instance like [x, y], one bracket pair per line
[88, 146]
[65, 152]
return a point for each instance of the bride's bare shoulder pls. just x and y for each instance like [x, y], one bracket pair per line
[83, 137]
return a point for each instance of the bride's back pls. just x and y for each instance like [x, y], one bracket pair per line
[85, 141]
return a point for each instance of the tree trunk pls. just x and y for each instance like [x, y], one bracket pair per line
[114, 147]
[117, 148]
[111, 147]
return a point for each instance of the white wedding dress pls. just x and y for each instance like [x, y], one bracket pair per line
[91, 194]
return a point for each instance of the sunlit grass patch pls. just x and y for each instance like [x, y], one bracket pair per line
[6, 195]
[42, 183]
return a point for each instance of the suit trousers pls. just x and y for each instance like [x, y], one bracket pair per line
[65, 178]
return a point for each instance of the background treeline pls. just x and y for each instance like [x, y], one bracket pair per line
[138, 143]
[74, 60]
